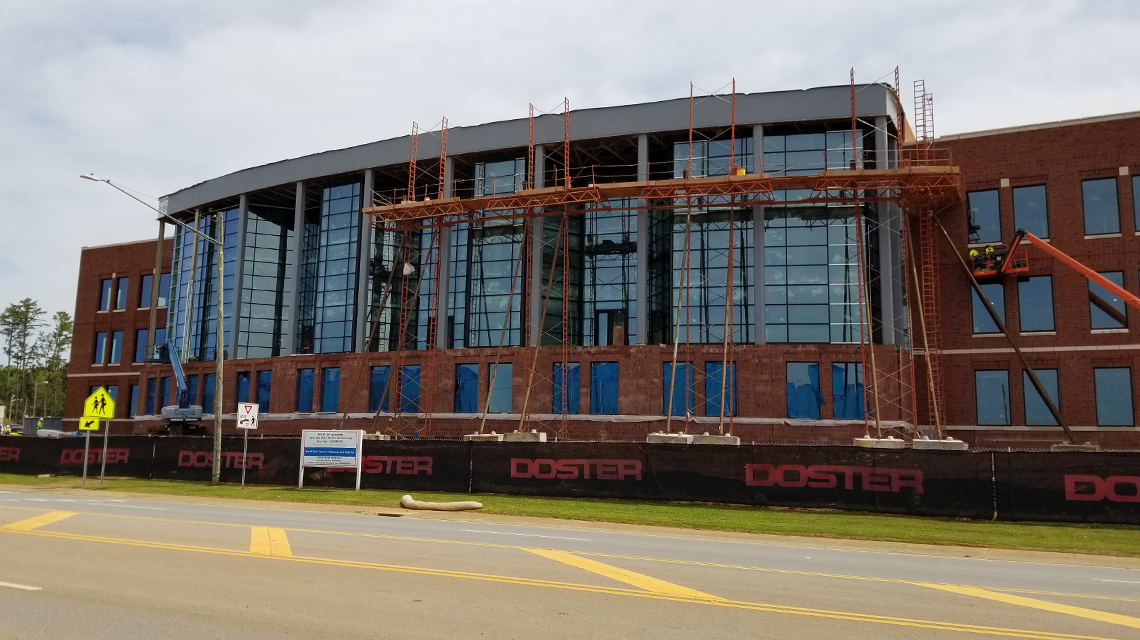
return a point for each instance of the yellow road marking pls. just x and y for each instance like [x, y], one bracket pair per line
[752, 606]
[1080, 612]
[36, 522]
[269, 541]
[638, 580]
[22, 587]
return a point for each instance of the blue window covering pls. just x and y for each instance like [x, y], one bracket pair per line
[466, 388]
[378, 388]
[847, 401]
[304, 401]
[150, 387]
[573, 388]
[105, 295]
[164, 393]
[410, 388]
[208, 393]
[264, 383]
[144, 290]
[140, 345]
[243, 386]
[712, 389]
[604, 388]
[116, 347]
[330, 388]
[100, 346]
[500, 400]
[804, 399]
[132, 408]
[192, 388]
[682, 389]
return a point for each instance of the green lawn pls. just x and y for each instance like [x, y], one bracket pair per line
[1117, 540]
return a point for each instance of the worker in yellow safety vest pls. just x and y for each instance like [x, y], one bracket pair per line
[974, 257]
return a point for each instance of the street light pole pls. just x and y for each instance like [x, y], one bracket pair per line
[219, 250]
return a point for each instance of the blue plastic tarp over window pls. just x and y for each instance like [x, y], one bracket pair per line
[466, 388]
[572, 394]
[604, 388]
[804, 399]
[847, 390]
[682, 389]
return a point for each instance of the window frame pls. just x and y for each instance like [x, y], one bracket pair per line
[1086, 198]
[977, 309]
[1121, 307]
[970, 219]
[1021, 310]
[1109, 395]
[1022, 224]
[979, 385]
[1027, 389]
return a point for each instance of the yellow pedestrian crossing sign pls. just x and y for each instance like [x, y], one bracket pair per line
[99, 404]
[88, 424]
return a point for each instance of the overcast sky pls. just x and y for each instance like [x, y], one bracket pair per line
[161, 95]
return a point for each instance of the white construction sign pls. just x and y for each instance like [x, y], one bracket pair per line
[335, 449]
[247, 415]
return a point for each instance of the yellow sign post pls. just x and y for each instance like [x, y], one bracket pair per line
[98, 406]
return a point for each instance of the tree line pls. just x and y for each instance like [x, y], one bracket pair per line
[35, 372]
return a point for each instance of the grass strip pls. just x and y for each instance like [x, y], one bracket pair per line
[1099, 539]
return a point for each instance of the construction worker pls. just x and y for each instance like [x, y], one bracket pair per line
[990, 257]
[974, 258]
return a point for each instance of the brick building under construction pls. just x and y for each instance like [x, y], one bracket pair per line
[784, 267]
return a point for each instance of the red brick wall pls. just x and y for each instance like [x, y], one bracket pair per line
[1059, 157]
[132, 260]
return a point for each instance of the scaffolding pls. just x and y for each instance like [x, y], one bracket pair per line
[895, 196]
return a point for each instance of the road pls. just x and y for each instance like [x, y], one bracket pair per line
[85, 564]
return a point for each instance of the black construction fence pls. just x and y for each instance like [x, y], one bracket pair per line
[1098, 487]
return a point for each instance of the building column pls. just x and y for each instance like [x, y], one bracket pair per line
[239, 258]
[536, 283]
[758, 242]
[642, 284]
[442, 330]
[293, 270]
[363, 260]
[888, 250]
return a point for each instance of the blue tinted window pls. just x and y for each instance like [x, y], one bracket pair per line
[132, 408]
[140, 345]
[121, 293]
[1036, 412]
[151, 385]
[572, 388]
[604, 388]
[500, 400]
[1113, 396]
[113, 391]
[100, 347]
[1102, 214]
[847, 391]
[680, 387]
[1035, 303]
[1136, 200]
[466, 388]
[242, 386]
[985, 216]
[1107, 311]
[983, 323]
[991, 389]
[144, 290]
[410, 388]
[713, 383]
[330, 388]
[304, 401]
[208, 393]
[1031, 210]
[163, 392]
[378, 391]
[264, 382]
[105, 294]
[163, 289]
[804, 398]
[116, 347]
[330, 238]
[192, 389]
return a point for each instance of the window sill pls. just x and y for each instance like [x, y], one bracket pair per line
[117, 310]
[142, 308]
[992, 243]
[1098, 236]
[102, 311]
[988, 335]
[1102, 331]
[1030, 334]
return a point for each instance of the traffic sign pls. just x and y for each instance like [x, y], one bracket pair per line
[88, 423]
[247, 415]
[99, 404]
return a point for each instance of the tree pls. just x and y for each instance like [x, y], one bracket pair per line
[51, 347]
[19, 324]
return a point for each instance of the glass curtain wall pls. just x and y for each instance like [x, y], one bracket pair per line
[328, 271]
[610, 275]
[265, 286]
[191, 315]
[711, 224]
[408, 262]
[483, 262]
[561, 292]
[811, 272]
